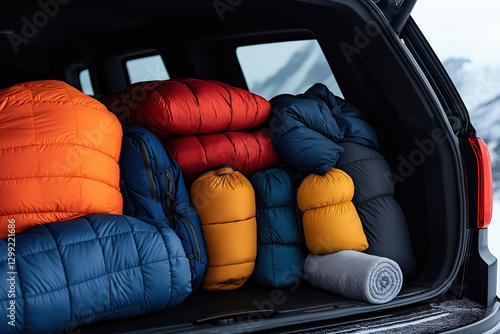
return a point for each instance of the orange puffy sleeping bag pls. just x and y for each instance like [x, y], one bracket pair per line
[59, 151]
[225, 201]
[330, 220]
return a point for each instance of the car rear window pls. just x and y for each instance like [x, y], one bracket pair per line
[146, 69]
[86, 82]
[285, 67]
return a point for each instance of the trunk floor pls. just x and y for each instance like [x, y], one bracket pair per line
[205, 304]
[429, 318]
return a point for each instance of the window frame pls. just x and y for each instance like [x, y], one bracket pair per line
[138, 56]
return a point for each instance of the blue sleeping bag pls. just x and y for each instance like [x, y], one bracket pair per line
[307, 127]
[279, 230]
[153, 187]
[98, 267]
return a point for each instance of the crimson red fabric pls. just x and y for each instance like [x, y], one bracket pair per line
[243, 151]
[187, 106]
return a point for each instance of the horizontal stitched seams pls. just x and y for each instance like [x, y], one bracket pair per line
[284, 206]
[59, 176]
[373, 198]
[230, 222]
[278, 244]
[358, 161]
[76, 102]
[32, 212]
[60, 144]
[95, 278]
[231, 264]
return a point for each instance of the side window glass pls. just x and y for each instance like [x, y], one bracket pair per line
[86, 82]
[146, 69]
[285, 67]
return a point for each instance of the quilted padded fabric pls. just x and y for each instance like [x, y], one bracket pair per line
[330, 220]
[188, 106]
[307, 127]
[243, 151]
[225, 201]
[279, 230]
[153, 187]
[59, 151]
[383, 219]
[90, 269]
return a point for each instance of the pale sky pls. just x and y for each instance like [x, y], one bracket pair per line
[461, 28]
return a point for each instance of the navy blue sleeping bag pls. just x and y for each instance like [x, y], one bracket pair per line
[153, 187]
[279, 230]
[98, 267]
[307, 127]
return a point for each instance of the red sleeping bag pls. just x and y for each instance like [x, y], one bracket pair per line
[199, 123]
[187, 107]
[243, 151]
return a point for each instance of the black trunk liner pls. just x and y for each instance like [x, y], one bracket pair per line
[204, 305]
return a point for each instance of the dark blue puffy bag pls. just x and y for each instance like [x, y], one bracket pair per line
[307, 128]
[153, 187]
[99, 267]
[279, 230]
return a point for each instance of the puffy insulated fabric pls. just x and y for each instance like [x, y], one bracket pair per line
[225, 201]
[188, 106]
[245, 152]
[330, 220]
[279, 230]
[383, 220]
[307, 127]
[90, 269]
[153, 187]
[59, 151]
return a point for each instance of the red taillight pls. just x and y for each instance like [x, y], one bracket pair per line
[484, 182]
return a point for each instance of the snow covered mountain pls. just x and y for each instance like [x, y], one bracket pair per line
[305, 67]
[479, 87]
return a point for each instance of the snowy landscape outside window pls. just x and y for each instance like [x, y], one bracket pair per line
[285, 68]
[461, 34]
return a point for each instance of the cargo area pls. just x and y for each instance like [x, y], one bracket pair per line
[415, 135]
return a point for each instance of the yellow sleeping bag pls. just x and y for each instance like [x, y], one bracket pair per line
[225, 201]
[330, 220]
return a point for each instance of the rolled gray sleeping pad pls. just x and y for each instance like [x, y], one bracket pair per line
[383, 219]
[355, 275]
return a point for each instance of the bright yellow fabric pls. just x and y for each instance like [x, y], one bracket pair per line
[225, 201]
[330, 220]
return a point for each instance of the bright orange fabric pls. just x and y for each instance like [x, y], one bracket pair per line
[59, 151]
[225, 201]
[330, 220]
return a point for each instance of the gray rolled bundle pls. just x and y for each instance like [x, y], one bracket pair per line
[355, 275]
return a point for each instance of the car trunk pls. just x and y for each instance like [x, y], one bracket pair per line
[249, 308]
[420, 146]
[379, 77]
[429, 197]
